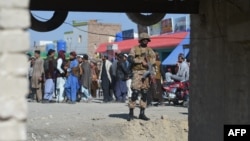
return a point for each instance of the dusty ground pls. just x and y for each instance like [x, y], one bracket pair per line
[104, 122]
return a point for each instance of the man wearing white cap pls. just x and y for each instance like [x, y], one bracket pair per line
[129, 80]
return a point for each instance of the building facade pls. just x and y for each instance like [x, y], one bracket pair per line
[166, 35]
[86, 36]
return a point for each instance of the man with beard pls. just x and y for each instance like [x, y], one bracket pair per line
[61, 76]
[130, 75]
[37, 76]
[50, 63]
[121, 77]
[79, 93]
[72, 82]
[86, 78]
[94, 74]
[140, 55]
[113, 74]
[49, 69]
[182, 71]
[155, 92]
[105, 79]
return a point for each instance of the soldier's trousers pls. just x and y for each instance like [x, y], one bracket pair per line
[134, 97]
[139, 87]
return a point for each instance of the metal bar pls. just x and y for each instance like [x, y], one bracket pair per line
[140, 6]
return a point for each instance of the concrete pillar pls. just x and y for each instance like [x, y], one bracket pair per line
[14, 42]
[220, 70]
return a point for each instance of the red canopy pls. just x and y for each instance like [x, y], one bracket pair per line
[161, 41]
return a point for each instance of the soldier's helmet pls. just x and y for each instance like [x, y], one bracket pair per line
[144, 36]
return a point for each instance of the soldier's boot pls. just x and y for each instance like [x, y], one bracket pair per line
[131, 114]
[142, 115]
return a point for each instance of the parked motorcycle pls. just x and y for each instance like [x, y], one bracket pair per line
[176, 92]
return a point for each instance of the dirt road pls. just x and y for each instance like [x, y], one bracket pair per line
[104, 122]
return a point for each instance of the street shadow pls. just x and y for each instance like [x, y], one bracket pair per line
[184, 113]
[122, 116]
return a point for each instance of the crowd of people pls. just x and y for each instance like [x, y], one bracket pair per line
[60, 80]
[137, 75]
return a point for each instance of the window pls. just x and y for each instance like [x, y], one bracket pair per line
[79, 38]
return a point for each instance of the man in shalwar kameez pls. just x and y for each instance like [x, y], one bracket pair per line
[72, 82]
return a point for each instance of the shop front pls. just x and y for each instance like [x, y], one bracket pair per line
[164, 44]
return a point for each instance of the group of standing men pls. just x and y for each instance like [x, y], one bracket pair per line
[66, 80]
[115, 77]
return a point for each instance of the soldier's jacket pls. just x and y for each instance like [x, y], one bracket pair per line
[138, 54]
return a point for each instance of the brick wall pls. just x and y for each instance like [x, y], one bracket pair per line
[100, 28]
[14, 39]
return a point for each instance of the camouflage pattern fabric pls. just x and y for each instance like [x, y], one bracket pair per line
[132, 104]
[137, 82]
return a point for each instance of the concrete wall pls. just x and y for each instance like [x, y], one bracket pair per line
[68, 38]
[79, 47]
[94, 40]
[14, 40]
[220, 70]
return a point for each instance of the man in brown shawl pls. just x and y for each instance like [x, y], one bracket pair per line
[37, 76]
[86, 78]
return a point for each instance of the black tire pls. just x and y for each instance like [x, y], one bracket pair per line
[57, 20]
[186, 98]
[146, 20]
[186, 101]
[176, 101]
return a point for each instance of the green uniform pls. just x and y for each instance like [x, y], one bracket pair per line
[138, 86]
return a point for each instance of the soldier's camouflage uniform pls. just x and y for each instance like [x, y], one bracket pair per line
[138, 86]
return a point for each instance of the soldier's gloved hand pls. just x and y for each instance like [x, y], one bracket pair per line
[144, 63]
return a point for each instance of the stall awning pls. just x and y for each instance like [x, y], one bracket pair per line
[161, 41]
[173, 56]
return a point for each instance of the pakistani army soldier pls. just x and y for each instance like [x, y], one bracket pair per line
[141, 57]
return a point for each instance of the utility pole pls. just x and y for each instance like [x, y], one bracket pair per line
[142, 28]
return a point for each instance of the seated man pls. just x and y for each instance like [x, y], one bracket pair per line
[168, 75]
[183, 71]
